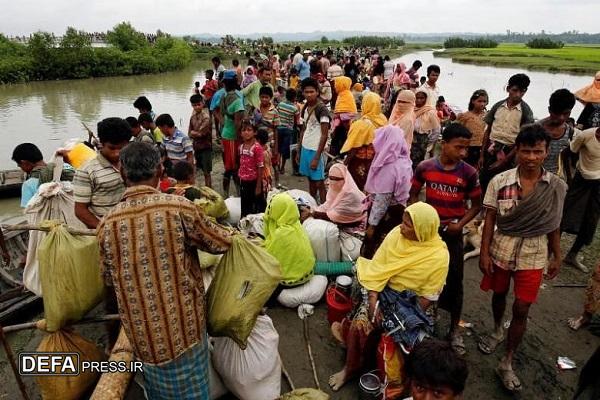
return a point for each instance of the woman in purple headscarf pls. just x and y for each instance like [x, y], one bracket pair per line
[388, 186]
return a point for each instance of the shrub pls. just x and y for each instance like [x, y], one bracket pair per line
[544, 43]
[478, 43]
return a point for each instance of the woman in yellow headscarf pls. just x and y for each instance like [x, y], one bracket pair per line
[403, 114]
[412, 257]
[590, 97]
[344, 112]
[359, 144]
[286, 240]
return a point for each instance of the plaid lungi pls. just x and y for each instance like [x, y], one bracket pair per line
[184, 378]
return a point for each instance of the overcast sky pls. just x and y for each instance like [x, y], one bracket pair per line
[239, 17]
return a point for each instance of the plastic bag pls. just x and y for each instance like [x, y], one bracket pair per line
[324, 238]
[208, 260]
[246, 277]
[70, 276]
[212, 204]
[305, 394]
[53, 201]
[308, 293]
[252, 224]
[68, 387]
[390, 362]
[234, 206]
[253, 373]
[350, 246]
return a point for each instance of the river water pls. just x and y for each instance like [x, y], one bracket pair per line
[48, 113]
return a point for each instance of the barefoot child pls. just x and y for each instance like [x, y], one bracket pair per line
[263, 138]
[251, 170]
[313, 138]
[199, 131]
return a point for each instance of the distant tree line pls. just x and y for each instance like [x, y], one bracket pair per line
[73, 57]
[479, 43]
[373, 41]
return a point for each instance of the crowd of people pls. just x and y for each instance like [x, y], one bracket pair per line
[386, 160]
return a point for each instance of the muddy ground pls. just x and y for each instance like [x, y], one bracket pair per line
[547, 338]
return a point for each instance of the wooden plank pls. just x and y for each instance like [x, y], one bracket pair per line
[19, 306]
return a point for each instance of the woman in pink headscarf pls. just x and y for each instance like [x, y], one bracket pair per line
[344, 202]
[388, 185]
[399, 81]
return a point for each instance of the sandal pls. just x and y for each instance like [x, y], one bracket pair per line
[488, 343]
[509, 379]
[578, 322]
[458, 344]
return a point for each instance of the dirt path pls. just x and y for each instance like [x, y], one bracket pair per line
[547, 338]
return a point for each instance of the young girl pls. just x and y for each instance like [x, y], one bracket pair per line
[251, 170]
[473, 121]
[262, 136]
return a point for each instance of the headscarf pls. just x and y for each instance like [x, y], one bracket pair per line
[391, 169]
[358, 87]
[362, 131]
[344, 203]
[403, 114]
[345, 100]
[427, 116]
[400, 77]
[403, 264]
[286, 240]
[590, 93]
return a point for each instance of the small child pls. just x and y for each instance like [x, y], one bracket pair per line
[249, 78]
[252, 162]
[294, 79]
[196, 88]
[199, 131]
[263, 138]
[434, 370]
[210, 86]
[185, 175]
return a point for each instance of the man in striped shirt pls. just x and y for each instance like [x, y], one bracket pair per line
[450, 182]
[178, 145]
[97, 185]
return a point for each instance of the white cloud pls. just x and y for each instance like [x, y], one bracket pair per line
[238, 17]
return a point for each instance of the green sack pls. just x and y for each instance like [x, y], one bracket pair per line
[212, 204]
[245, 279]
[70, 276]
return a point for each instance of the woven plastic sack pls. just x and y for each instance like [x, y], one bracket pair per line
[212, 204]
[308, 293]
[245, 279]
[70, 276]
[324, 238]
[234, 206]
[253, 373]
[69, 387]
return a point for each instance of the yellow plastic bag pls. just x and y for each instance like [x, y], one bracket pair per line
[212, 204]
[245, 279]
[69, 274]
[69, 387]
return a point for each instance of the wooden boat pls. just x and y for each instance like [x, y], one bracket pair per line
[11, 179]
[14, 298]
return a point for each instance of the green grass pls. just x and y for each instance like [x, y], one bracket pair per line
[573, 58]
